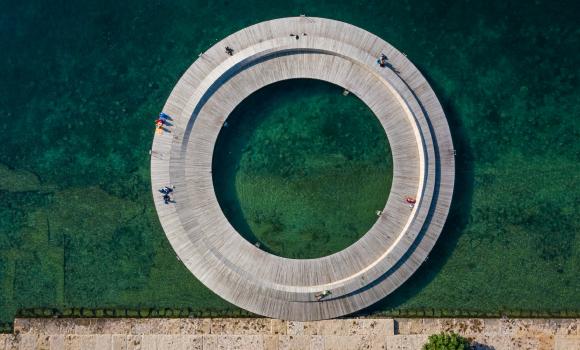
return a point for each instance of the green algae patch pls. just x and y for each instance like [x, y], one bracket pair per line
[86, 248]
[17, 180]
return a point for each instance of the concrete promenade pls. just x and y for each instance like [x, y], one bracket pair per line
[270, 334]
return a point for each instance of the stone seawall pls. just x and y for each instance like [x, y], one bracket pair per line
[270, 334]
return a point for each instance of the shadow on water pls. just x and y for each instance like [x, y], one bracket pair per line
[457, 219]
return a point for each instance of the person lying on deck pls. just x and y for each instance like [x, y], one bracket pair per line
[325, 293]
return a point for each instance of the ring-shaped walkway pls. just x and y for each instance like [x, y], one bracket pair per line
[423, 166]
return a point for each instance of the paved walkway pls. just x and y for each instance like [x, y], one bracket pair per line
[423, 165]
[270, 334]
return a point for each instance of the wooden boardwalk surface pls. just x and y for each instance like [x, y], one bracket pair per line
[417, 131]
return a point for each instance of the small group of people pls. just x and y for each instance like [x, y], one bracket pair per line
[229, 51]
[410, 201]
[383, 61]
[161, 121]
[166, 191]
[297, 36]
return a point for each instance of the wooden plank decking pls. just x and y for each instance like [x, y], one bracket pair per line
[420, 142]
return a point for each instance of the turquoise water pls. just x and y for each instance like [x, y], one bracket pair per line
[301, 170]
[81, 83]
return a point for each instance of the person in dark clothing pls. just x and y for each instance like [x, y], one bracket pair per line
[382, 61]
[166, 190]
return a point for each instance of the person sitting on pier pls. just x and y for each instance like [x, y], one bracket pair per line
[325, 293]
[229, 51]
[159, 125]
[382, 61]
[411, 201]
[164, 116]
[161, 121]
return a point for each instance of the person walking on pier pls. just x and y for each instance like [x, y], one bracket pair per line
[229, 51]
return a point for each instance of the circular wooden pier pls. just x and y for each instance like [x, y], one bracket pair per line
[423, 163]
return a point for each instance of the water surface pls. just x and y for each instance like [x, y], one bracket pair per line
[81, 83]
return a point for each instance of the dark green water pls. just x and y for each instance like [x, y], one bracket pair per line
[301, 169]
[81, 82]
